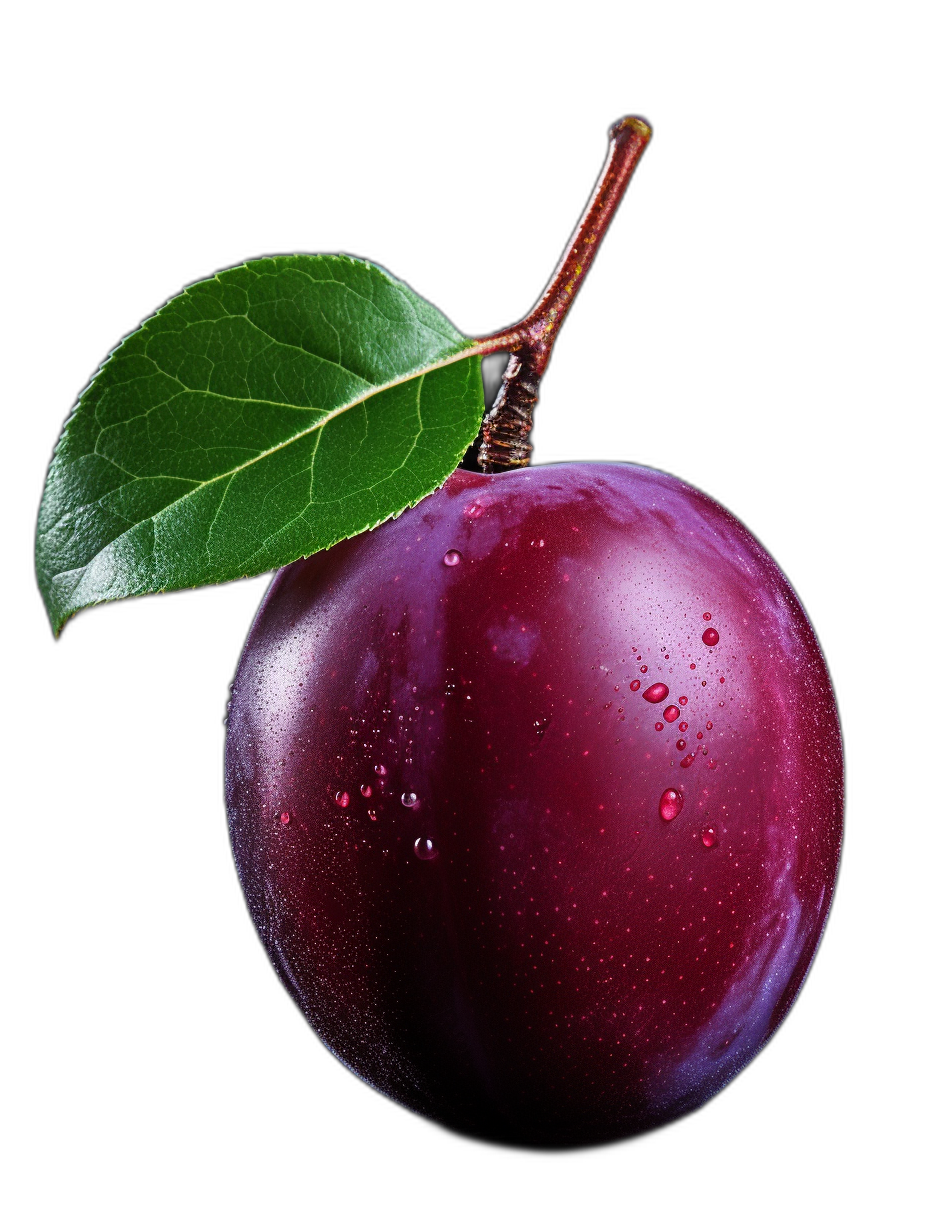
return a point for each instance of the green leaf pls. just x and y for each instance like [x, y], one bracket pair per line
[261, 415]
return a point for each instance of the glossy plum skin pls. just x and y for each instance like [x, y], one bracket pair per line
[454, 805]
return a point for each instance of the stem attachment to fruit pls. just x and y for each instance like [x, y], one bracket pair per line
[504, 443]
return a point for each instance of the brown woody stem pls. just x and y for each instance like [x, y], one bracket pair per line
[504, 443]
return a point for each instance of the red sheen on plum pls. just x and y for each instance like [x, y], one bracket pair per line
[501, 895]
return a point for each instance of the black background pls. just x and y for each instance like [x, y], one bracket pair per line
[721, 276]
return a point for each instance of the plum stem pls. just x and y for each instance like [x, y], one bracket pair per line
[504, 443]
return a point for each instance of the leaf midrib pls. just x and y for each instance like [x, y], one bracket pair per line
[202, 485]
[419, 378]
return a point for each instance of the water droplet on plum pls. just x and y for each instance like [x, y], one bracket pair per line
[285, 819]
[709, 837]
[707, 615]
[681, 745]
[342, 799]
[683, 726]
[380, 771]
[671, 714]
[670, 804]
[711, 637]
[656, 693]
[366, 791]
[409, 799]
[688, 760]
[425, 849]
[658, 726]
[452, 558]
[635, 686]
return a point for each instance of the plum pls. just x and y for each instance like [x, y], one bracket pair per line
[535, 795]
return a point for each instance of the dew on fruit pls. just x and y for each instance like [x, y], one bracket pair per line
[380, 771]
[643, 668]
[366, 791]
[683, 726]
[707, 615]
[541, 726]
[711, 637]
[658, 726]
[670, 804]
[452, 558]
[409, 799]
[671, 714]
[688, 761]
[635, 686]
[709, 837]
[681, 745]
[285, 819]
[699, 735]
[372, 815]
[709, 725]
[473, 511]
[683, 700]
[342, 799]
[656, 693]
[425, 849]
